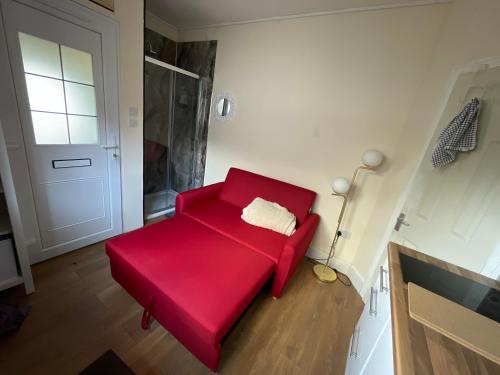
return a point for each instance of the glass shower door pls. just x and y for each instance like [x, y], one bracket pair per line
[158, 109]
[171, 123]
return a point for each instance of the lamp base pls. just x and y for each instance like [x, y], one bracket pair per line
[324, 273]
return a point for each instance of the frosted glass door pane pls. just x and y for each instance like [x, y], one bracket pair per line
[83, 129]
[80, 99]
[45, 94]
[50, 128]
[77, 65]
[40, 56]
[61, 92]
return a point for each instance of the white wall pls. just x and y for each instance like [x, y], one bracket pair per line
[312, 94]
[469, 35]
[130, 16]
[160, 26]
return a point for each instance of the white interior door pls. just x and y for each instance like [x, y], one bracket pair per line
[72, 152]
[453, 213]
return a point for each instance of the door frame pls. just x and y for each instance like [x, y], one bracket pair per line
[454, 74]
[79, 15]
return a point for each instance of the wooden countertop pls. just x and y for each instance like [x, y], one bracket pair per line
[421, 350]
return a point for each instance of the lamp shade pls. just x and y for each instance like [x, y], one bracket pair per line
[372, 158]
[341, 185]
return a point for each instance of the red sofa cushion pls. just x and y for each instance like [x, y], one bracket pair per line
[225, 218]
[242, 187]
[198, 279]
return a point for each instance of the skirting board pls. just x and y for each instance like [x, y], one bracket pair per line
[341, 265]
[357, 280]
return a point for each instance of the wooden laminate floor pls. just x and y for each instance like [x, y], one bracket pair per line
[79, 312]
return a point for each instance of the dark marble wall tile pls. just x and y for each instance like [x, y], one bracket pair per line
[176, 121]
[199, 58]
[159, 47]
[184, 145]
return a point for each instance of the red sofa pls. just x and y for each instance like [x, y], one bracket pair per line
[197, 272]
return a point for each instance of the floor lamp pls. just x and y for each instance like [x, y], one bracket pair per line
[341, 187]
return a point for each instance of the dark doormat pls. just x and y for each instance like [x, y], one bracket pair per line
[12, 316]
[109, 364]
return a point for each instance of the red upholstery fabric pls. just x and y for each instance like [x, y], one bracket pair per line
[195, 281]
[197, 196]
[242, 187]
[226, 218]
[197, 272]
[295, 248]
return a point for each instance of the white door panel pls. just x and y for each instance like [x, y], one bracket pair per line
[88, 216]
[59, 79]
[381, 362]
[454, 212]
[60, 195]
[369, 328]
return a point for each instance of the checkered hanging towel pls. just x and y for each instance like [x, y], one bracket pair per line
[459, 135]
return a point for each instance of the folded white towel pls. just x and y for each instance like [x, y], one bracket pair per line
[270, 215]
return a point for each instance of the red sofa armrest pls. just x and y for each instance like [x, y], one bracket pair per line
[295, 248]
[194, 197]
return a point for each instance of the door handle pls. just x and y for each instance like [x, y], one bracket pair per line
[401, 221]
[354, 343]
[383, 274]
[112, 147]
[109, 147]
[373, 296]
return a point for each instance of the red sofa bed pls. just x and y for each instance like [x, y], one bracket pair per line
[197, 272]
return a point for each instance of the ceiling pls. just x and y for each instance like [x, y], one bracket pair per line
[198, 13]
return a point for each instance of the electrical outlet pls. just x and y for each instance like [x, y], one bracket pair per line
[133, 114]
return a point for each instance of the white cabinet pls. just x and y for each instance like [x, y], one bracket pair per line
[370, 352]
[380, 362]
[12, 216]
[8, 264]
[9, 275]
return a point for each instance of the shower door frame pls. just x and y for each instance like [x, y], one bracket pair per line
[172, 69]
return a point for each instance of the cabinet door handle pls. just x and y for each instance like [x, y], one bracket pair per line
[354, 343]
[373, 297]
[383, 275]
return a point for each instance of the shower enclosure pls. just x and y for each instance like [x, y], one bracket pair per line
[172, 98]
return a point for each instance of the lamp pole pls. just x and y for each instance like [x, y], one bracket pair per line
[323, 271]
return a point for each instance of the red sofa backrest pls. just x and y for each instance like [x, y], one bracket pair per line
[242, 187]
